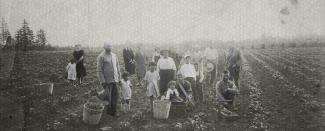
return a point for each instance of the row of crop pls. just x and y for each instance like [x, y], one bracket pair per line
[299, 77]
[292, 61]
[311, 62]
[299, 103]
[255, 108]
[284, 64]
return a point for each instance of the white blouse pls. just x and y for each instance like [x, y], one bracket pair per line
[166, 63]
[188, 70]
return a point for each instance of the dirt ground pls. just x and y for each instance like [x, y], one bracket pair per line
[272, 97]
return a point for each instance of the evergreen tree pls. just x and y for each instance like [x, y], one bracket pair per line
[24, 37]
[41, 38]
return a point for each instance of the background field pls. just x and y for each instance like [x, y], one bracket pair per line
[281, 89]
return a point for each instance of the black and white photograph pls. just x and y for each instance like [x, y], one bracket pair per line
[162, 65]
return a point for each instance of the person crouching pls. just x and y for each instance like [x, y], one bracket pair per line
[226, 90]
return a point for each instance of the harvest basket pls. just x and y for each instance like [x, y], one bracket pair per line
[92, 112]
[46, 88]
[161, 109]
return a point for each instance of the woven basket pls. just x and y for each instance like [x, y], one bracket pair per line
[92, 116]
[161, 109]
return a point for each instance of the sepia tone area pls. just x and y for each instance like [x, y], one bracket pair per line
[255, 65]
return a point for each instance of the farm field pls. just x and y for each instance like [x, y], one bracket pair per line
[280, 89]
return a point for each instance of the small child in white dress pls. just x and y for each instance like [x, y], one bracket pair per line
[71, 69]
[126, 92]
[151, 82]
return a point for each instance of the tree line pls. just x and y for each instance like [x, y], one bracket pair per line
[24, 39]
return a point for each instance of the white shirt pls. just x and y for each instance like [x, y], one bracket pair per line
[166, 63]
[188, 70]
[170, 92]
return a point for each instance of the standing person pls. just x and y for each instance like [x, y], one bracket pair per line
[156, 55]
[226, 90]
[126, 92]
[71, 69]
[151, 82]
[167, 70]
[211, 62]
[188, 72]
[108, 70]
[140, 59]
[234, 63]
[200, 85]
[78, 55]
[177, 58]
[129, 61]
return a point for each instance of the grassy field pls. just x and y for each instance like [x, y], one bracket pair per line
[280, 89]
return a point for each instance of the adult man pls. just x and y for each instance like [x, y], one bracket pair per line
[188, 72]
[226, 90]
[108, 70]
[210, 58]
[234, 63]
[167, 70]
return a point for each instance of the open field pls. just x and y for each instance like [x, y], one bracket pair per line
[280, 89]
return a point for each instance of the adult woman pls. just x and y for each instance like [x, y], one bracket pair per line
[140, 59]
[129, 61]
[167, 70]
[78, 55]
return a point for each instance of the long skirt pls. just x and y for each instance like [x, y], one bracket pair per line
[141, 70]
[81, 70]
[165, 77]
[130, 68]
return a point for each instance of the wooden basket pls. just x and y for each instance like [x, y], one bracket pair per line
[161, 109]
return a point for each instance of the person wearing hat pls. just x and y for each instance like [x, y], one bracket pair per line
[188, 72]
[167, 70]
[108, 71]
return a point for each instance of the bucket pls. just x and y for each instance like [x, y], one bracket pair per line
[161, 109]
[46, 88]
[92, 116]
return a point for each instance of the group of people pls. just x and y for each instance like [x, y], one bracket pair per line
[162, 77]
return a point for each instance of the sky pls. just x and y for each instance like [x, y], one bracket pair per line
[92, 22]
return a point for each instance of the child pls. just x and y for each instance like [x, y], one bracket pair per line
[71, 69]
[172, 93]
[151, 78]
[126, 92]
